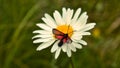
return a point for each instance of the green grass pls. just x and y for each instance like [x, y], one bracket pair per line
[18, 19]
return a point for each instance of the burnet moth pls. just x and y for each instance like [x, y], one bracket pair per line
[64, 38]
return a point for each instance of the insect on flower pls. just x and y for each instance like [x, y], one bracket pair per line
[66, 31]
[64, 38]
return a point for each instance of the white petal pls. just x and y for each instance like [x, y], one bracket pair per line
[57, 53]
[76, 37]
[69, 16]
[72, 47]
[76, 27]
[85, 33]
[80, 22]
[42, 36]
[82, 42]
[68, 51]
[79, 33]
[42, 40]
[64, 47]
[45, 45]
[83, 18]
[44, 26]
[54, 47]
[77, 13]
[64, 13]
[77, 45]
[58, 18]
[42, 32]
[88, 27]
[49, 21]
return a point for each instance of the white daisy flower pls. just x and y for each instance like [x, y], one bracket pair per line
[63, 32]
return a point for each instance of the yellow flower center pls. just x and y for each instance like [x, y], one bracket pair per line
[66, 29]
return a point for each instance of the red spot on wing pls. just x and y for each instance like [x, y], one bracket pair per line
[67, 40]
[64, 40]
[59, 37]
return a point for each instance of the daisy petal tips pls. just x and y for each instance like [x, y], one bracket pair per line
[63, 32]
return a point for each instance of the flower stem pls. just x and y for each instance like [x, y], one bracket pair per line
[71, 62]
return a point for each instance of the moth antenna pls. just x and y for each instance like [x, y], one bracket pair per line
[72, 31]
[68, 28]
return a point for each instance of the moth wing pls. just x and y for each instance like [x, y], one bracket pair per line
[57, 32]
[59, 37]
[69, 40]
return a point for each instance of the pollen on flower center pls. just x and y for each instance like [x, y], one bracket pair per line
[66, 29]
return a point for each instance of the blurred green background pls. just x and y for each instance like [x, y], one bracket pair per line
[18, 19]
